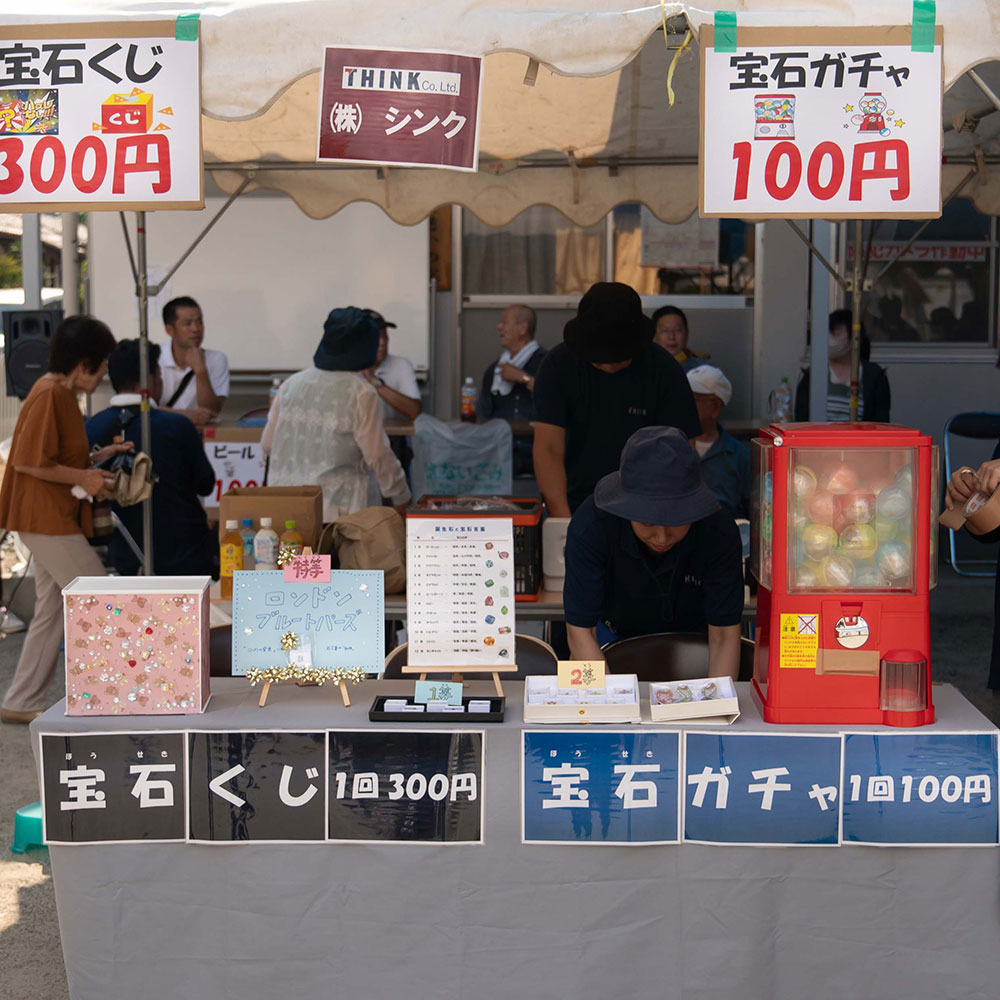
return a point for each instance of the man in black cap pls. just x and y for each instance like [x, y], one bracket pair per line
[653, 551]
[604, 382]
[393, 377]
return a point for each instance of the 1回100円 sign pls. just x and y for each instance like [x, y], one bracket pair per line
[819, 122]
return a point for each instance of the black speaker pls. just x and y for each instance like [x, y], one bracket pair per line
[26, 336]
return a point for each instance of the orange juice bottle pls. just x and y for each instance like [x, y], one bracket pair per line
[230, 557]
[291, 539]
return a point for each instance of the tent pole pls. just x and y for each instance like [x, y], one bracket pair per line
[145, 442]
[856, 320]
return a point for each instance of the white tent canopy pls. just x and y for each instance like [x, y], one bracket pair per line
[595, 129]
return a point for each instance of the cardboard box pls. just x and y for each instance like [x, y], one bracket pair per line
[141, 651]
[302, 504]
[541, 691]
[722, 709]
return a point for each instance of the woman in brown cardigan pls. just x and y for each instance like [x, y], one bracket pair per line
[49, 455]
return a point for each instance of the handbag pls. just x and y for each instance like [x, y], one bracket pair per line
[133, 483]
[373, 538]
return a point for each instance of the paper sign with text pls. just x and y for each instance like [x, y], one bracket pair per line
[341, 622]
[920, 789]
[237, 464]
[450, 692]
[581, 674]
[460, 591]
[400, 108]
[102, 115]
[820, 122]
[310, 569]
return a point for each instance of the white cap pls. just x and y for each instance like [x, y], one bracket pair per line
[232, 525]
[265, 522]
[709, 380]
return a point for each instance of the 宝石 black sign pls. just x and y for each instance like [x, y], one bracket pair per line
[123, 787]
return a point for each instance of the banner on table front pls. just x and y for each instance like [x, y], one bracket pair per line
[400, 108]
[583, 786]
[101, 115]
[933, 789]
[820, 122]
[407, 786]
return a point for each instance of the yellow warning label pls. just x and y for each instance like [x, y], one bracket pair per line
[799, 644]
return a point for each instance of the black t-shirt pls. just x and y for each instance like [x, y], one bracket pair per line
[612, 577]
[600, 412]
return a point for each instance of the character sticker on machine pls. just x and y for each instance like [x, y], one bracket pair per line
[852, 631]
[799, 642]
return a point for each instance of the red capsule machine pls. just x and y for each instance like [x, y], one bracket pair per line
[843, 547]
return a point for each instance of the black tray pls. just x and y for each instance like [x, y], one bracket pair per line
[377, 712]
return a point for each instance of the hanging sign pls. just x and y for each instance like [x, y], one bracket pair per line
[400, 108]
[820, 122]
[100, 115]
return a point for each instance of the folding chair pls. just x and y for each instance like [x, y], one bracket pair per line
[983, 427]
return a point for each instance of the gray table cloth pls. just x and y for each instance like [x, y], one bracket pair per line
[502, 920]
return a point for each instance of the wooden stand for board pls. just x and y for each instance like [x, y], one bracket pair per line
[456, 672]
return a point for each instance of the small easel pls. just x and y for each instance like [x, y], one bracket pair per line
[494, 670]
[266, 690]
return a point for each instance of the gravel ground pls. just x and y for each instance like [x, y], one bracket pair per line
[31, 963]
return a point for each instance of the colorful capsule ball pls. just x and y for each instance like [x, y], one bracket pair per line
[809, 574]
[866, 574]
[822, 507]
[818, 540]
[858, 507]
[858, 541]
[904, 478]
[886, 528]
[803, 482]
[842, 479]
[838, 570]
[894, 502]
[893, 560]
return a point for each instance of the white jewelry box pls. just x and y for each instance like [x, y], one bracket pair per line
[617, 701]
[705, 700]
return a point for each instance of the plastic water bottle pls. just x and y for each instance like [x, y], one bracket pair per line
[781, 402]
[265, 546]
[230, 557]
[247, 534]
[469, 399]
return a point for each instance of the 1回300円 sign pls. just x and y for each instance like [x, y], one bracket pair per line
[820, 122]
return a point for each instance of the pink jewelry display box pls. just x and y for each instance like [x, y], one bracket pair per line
[140, 651]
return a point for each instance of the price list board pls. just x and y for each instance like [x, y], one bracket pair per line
[460, 591]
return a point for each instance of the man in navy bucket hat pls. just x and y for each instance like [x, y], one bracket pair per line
[654, 551]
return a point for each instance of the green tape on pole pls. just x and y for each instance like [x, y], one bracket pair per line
[725, 31]
[186, 28]
[924, 18]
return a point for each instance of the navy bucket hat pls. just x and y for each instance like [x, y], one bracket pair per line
[350, 341]
[657, 481]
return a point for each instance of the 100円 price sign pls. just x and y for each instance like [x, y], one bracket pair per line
[824, 123]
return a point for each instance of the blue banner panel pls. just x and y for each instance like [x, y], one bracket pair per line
[761, 789]
[586, 787]
[920, 788]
